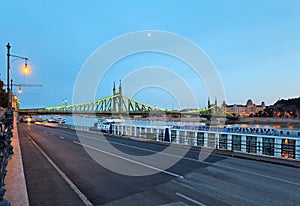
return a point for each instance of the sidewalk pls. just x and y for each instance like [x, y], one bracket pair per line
[15, 185]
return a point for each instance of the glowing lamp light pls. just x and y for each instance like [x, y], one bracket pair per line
[26, 69]
[286, 141]
[19, 90]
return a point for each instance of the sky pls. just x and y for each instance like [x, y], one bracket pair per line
[254, 46]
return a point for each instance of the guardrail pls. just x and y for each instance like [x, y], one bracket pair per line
[6, 150]
[284, 145]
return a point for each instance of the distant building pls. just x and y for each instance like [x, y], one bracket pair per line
[244, 110]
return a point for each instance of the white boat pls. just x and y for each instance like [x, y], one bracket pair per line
[59, 120]
[114, 120]
[105, 125]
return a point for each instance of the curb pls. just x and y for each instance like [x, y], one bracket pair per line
[15, 184]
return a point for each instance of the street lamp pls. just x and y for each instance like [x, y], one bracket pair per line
[25, 70]
[19, 90]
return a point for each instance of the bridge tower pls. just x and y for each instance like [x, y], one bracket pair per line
[114, 99]
[120, 98]
[117, 100]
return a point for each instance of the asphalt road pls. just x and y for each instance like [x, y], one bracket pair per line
[62, 169]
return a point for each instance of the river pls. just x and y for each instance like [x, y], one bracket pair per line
[89, 121]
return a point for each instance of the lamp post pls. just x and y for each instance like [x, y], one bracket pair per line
[25, 70]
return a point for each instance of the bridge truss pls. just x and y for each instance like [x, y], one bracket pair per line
[116, 104]
[120, 105]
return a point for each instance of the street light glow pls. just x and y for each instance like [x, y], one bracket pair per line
[26, 69]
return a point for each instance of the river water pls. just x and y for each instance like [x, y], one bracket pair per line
[89, 121]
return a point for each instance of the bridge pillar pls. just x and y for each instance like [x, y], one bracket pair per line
[243, 143]
[259, 145]
[277, 147]
[229, 141]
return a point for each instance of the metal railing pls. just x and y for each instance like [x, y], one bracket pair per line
[6, 150]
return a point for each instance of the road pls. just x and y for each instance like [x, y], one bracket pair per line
[59, 170]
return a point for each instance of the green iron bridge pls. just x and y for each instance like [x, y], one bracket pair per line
[120, 105]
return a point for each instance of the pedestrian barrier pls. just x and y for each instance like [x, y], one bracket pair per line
[6, 150]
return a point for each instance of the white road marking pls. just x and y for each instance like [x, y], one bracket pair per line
[189, 199]
[196, 160]
[205, 162]
[257, 174]
[63, 175]
[61, 137]
[144, 149]
[129, 160]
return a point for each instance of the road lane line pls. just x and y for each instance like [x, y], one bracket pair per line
[62, 174]
[189, 199]
[61, 137]
[144, 149]
[257, 174]
[196, 160]
[133, 161]
[205, 162]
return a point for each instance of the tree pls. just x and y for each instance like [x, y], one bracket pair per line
[3, 95]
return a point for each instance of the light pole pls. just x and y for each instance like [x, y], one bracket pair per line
[25, 70]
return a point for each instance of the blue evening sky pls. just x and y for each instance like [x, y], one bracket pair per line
[254, 45]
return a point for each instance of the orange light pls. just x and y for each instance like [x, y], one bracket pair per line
[290, 127]
[19, 90]
[26, 69]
